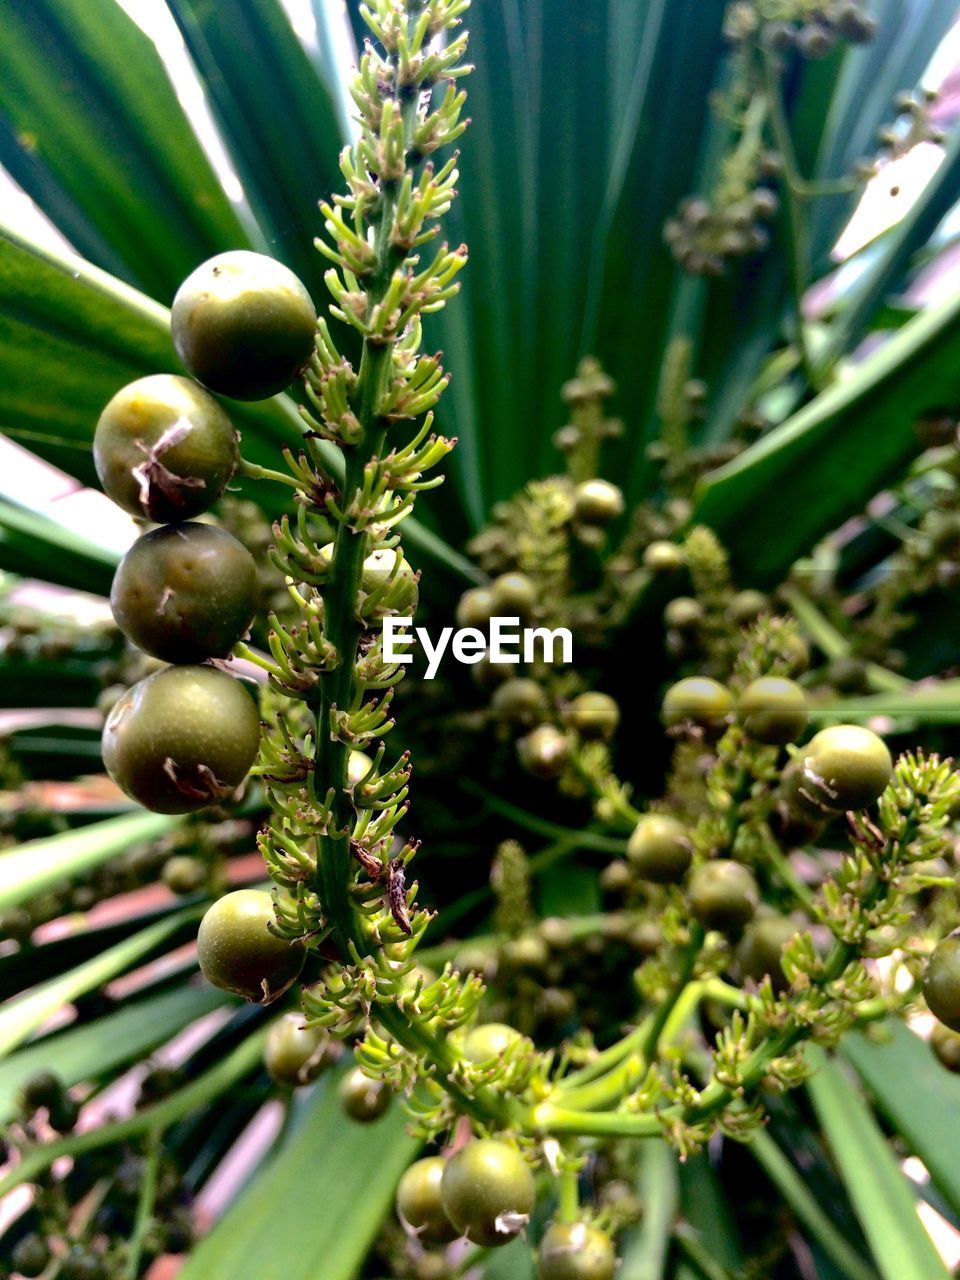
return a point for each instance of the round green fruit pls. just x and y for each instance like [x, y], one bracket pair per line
[420, 1205]
[663, 557]
[488, 1192]
[683, 613]
[597, 502]
[31, 1256]
[389, 574]
[185, 592]
[363, 1099]
[238, 952]
[946, 1045]
[476, 607]
[723, 895]
[699, 701]
[295, 1055]
[846, 767]
[182, 739]
[773, 710]
[514, 595]
[760, 952]
[243, 325]
[519, 701]
[164, 449]
[659, 849]
[183, 874]
[594, 715]
[488, 1041]
[746, 607]
[544, 751]
[941, 982]
[575, 1251]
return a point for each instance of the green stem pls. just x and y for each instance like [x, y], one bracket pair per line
[828, 639]
[148, 1195]
[696, 1252]
[688, 962]
[255, 472]
[569, 1199]
[587, 839]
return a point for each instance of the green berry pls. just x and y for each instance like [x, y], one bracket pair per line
[182, 739]
[683, 613]
[544, 752]
[659, 849]
[946, 1045]
[489, 1041]
[514, 595]
[846, 767]
[31, 1255]
[773, 710]
[698, 701]
[185, 592]
[520, 701]
[243, 324]
[575, 1251]
[723, 895]
[295, 1055]
[760, 952]
[183, 874]
[594, 715]
[941, 982]
[238, 952]
[663, 557]
[597, 502]
[746, 606]
[43, 1090]
[363, 1099]
[488, 1192]
[476, 607]
[164, 449]
[419, 1202]
[388, 574]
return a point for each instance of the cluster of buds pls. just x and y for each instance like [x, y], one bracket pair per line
[812, 29]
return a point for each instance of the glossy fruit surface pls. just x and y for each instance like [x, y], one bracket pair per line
[476, 607]
[659, 848]
[597, 502]
[514, 595]
[294, 1055]
[683, 613]
[594, 715]
[544, 751]
[185, 592]
[389, 577]
[941, 982]
[723, 895]
[575, 1251]
[488, 1192]
[747, 606]
[663, 557]
[363, 1099]
[164, 449]
[237, 951]
[697, 700]
[773, 710]
[419, 1203]
[243, 324]
[490, 1040]
[181, 739]
[846, 767]
[760, 952]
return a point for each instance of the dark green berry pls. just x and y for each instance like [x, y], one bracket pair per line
[544, 751]
[243, 324]
[659, 849]
[182, 739]
[43, 1090]
[846, 767]
[760, 952]
[946, 1045]
[575, 1251]
[64, 1114]
[773, 710]
[363, 1099]
[488, 1192]
[238, 952]
[183, 874]
[31, 1255]
[594, 715]
[164, 449]
[941, 982]
[519, 701]
[698, 701]
[723, 895]
[295, 1055]
[514, 595]
[476, 607]
[185, 592]
[420, 1205]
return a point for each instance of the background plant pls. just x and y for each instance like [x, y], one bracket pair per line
[123, 178]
